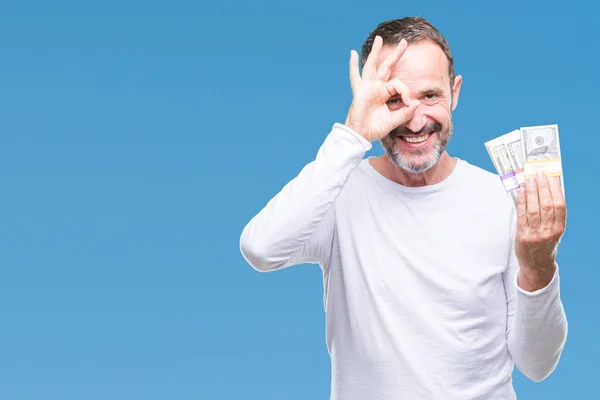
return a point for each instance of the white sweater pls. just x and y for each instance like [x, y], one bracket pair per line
[420, 285]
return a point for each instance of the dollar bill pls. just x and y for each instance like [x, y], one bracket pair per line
[522, 152]
[514, 146]
[499, 153]
[541, 148]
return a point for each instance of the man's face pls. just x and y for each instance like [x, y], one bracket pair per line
[418, 145]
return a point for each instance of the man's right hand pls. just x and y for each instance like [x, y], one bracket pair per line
[376, 109]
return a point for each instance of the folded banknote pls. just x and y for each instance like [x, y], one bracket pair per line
[522, 152]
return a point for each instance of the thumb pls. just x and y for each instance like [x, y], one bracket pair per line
[405, 114]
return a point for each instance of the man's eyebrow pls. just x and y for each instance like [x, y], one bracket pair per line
[431, 90]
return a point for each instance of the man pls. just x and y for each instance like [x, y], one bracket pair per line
[435, 284]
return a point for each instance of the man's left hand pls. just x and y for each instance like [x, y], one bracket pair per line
[541, 221]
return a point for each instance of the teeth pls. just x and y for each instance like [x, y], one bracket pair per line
[412, 139]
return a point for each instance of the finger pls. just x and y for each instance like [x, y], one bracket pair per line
[545, 198]
[383, 72]
[405, 114]
[558, 200]
[354, 72]
[521, 209]
[533, 206]
[369, 68]
[396, 86]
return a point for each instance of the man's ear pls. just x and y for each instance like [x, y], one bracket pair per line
[456, 91]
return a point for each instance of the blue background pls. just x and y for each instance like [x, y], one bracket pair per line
[138, 138]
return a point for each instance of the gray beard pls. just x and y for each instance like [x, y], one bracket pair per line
[417, 167]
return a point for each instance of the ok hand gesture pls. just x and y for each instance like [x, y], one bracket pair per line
[370, 113]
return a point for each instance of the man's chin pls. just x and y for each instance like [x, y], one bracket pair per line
[412, 165]
[414, 161]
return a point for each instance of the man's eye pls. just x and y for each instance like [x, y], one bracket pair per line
[431, 98]
[395, 103]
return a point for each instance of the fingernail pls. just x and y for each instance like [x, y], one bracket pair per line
[540, 175]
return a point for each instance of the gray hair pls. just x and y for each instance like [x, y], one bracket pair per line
[413, 29]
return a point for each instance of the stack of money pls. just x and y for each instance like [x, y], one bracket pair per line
[522, 152]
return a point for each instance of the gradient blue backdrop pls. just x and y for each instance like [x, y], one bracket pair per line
[138, 138]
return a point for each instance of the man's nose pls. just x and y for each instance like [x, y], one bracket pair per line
[417, 122]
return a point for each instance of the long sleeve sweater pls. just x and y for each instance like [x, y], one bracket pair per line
[420, 283]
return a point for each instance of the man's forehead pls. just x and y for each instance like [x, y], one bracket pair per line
[422, 61]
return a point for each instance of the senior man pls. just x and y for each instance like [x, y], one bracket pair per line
[435, 284]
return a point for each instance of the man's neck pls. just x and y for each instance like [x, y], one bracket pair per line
[442, 170]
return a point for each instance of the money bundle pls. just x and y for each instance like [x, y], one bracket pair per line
[522, 152]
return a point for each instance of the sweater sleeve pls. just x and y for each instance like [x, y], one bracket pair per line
[536, 324]
[296, 226]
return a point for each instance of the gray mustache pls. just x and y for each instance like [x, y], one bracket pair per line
[430, 126]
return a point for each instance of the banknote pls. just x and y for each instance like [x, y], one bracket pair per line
[541, 148]
[499, 153]
[522, 152]
[514, 145]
